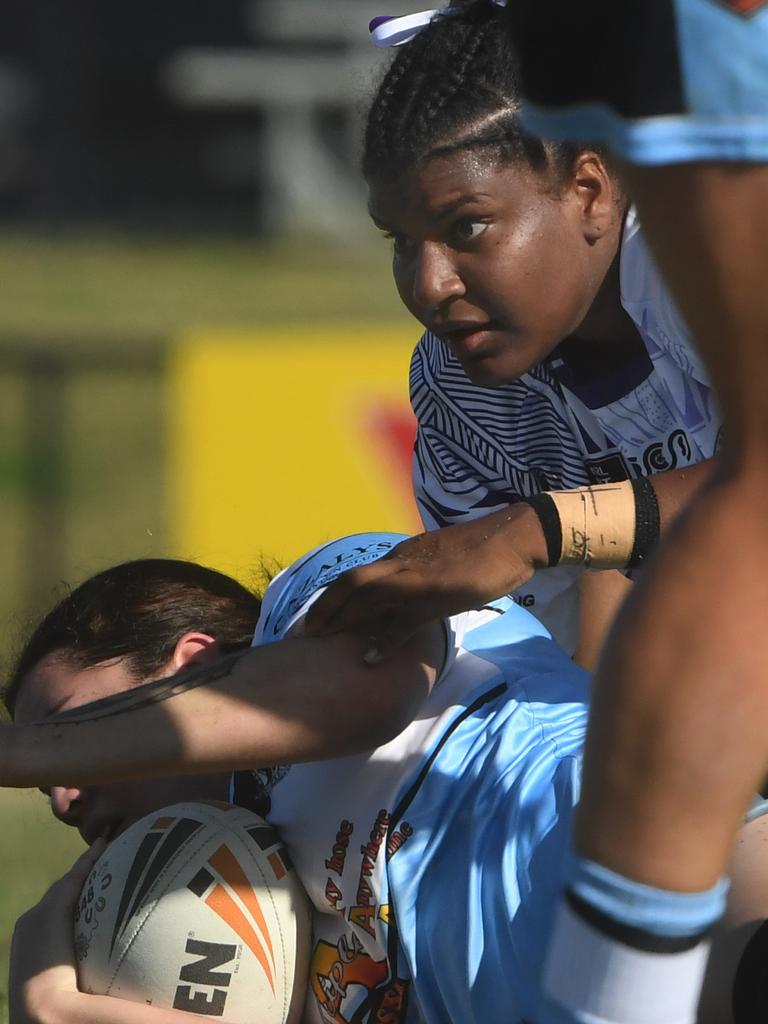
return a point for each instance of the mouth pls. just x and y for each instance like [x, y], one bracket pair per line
[467, 340]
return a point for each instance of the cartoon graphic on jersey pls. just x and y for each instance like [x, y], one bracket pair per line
[351, 977]
[365, 910]
[343, 979]
[351, 987]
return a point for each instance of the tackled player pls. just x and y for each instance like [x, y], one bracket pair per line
[433, 860]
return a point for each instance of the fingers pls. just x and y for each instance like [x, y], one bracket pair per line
[67, 888]
[382, 641]
[363, 593]
[59, 901]
[356, 596]
[42, 964]
[82, 866]
[327, 610]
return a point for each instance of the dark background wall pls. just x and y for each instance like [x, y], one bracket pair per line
[88, 131]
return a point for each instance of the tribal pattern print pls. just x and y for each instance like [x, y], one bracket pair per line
[478, 449]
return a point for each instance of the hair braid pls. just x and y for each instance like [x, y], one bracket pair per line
[455, 85]
[457, 78]
[388, 110]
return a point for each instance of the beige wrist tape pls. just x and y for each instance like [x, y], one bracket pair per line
[608, 526]
[598, 525]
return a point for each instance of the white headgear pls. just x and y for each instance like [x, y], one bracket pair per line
[394, 31]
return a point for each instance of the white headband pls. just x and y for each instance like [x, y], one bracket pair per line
[394, 31]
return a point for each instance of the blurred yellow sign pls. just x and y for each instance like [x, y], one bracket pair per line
[285, 438]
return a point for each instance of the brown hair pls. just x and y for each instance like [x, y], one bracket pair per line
[138, 611]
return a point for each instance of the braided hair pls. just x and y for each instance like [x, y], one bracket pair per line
[454, 86]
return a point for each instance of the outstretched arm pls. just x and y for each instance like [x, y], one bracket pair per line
[298, 700]
[446, 571]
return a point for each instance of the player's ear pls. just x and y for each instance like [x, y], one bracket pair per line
[598, 193]
[193, 649]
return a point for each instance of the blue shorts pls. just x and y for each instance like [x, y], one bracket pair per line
[657, 81]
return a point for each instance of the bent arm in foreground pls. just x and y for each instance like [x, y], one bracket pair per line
[301, 699]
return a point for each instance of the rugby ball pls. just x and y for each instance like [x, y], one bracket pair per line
[196, 907]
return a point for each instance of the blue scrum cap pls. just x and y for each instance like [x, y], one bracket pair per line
[292, 590]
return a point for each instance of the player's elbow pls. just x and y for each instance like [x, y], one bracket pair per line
[377, 712]
[392, 710]
[366, 706]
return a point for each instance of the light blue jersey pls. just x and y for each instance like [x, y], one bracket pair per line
[475, 891]
[434, 862]
[670, 80]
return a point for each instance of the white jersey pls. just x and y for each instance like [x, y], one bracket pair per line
[563, 425]
[338, 821]
[480, 786]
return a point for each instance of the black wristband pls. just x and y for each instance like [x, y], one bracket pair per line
[545, 508]
[647, 521]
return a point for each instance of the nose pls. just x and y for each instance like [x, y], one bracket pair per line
[68, 804]
[435, 277]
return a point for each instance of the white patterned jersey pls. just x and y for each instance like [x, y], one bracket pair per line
[564, 424]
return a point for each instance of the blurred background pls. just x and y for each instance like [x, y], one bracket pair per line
[201, 351]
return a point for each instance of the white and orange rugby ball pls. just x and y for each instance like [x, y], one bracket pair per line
[196, 907]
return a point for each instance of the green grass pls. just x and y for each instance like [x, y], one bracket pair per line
[80, 289]
[99, 294]
[34, 849]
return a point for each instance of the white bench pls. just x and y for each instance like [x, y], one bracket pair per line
[310, 56]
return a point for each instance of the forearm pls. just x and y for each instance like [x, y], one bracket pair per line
[68, 1007]
[446, 571]
[299, 700]
[520, 532]
[676, 487]
[615, 525]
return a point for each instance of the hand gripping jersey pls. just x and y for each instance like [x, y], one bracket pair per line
[564, 424]
[433, 862]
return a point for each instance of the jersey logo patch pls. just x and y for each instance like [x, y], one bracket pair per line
[743, 7]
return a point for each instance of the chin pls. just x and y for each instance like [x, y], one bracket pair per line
[489, 375]
[507, 359]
